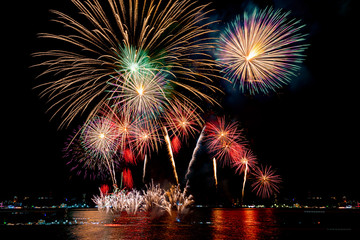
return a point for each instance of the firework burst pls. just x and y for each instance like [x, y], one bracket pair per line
[125, 50]
[246, 163]
[182, 120]
[99, 138]
[266, 182]
[145, 139]
[224, 140]
[143, 95]
[261, 51]
[81, 161]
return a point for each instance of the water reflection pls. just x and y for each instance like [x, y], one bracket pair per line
[205, 223]
[243, 224]
[248, 224]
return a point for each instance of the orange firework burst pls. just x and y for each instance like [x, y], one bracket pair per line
[266, 182]
[182, 120]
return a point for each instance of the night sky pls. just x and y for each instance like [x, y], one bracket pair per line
[307, 130]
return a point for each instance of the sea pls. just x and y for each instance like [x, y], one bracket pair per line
[200, 223]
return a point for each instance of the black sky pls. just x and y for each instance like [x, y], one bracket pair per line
[308, 130]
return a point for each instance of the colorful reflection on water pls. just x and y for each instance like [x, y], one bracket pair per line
[251, 224]
[201, 223]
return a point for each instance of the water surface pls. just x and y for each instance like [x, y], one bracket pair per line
[200, 223]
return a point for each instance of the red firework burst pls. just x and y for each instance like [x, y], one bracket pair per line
[246, 162]
[224, 140]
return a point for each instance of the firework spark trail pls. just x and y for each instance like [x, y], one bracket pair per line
[244, 182]
[195, 151]
[246, 162]
[215, 173]
[168, 143]
[111, 170]
[144, 169]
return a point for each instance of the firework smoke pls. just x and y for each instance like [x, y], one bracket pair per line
[197, 147]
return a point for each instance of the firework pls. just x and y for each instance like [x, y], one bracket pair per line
[266, 182]
[144, 168]
[168, 143]
[128, 179]
[126, 125]
[261, 51]
[104, 189]
[175, 144]
[153, 197]
[143, 96]
[99, 138]
[144, 139]
[179, 199]
[130, 54]
[91, 149]
[243, 165]
[215, 174]
[154, 200]
[183, 120]
[224, 140]
[196, 149]
[133, 202]
[129, 156]
[80, 161]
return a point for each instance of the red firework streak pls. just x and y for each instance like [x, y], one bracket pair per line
[129, 156]
[104, 189]
[128, 179]
[175, 144]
